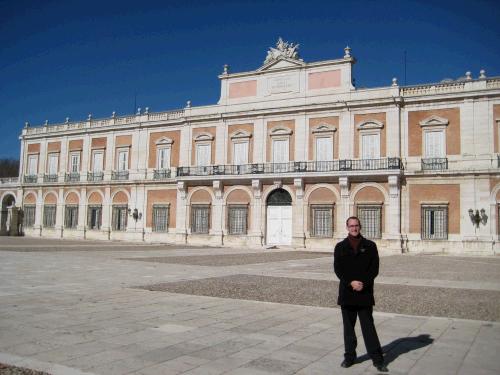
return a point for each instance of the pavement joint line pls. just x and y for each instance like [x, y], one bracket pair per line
[35, 364]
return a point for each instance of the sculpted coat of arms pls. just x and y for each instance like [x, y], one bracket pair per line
[283, 49]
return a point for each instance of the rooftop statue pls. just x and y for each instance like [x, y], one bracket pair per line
[283, 49]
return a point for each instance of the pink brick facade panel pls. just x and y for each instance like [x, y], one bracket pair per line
[242, 89]
[324, 80]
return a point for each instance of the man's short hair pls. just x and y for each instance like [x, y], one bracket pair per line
[353, 218]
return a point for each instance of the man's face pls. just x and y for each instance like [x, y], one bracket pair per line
[353, 227]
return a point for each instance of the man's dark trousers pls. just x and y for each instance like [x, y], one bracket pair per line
[365, 313]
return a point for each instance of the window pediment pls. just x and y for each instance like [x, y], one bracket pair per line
[370, 124]
[280, 131]
[324, 129]
[164, 141]
[241, 134]
[204, 137]
[434, 121]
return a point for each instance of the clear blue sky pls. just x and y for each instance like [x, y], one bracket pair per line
[63, 59]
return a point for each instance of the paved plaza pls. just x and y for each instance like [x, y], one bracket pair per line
[74, 307]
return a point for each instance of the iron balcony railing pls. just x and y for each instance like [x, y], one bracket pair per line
[161, 174]
[50, 178]
[434, 164]
[95, 176]
[9, 180]
[498, 161]
[30, 179]
[291, 167]
[119, 175]
[72, 177]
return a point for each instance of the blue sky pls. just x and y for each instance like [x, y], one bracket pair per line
[63, 59]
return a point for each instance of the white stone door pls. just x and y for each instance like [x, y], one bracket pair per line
[279, 225]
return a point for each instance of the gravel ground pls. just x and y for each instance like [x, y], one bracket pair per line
[234, 259]
[410, 300]
[13, 370]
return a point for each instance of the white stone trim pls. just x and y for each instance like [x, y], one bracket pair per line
[369, 125]
[434, 121]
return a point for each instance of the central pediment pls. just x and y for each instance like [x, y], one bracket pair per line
[281, 63]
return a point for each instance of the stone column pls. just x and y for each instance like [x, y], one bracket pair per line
[345, 206]
[82, 210]
[217, 211]
[60, 212]
[393, 210]
[106, 211]
[181, 213]
[298, 230]
[256, 229]
[39, 211]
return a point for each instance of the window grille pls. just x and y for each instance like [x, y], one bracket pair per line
[370, 217]
[321, 221]
[434, 222]
[119, 217]
[49, 216]
[160, 218]
[94, 217]
[200, 219]
[70, 216]
[237, 219]
[29, 216]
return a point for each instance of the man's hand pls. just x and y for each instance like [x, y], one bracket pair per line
[357, 285]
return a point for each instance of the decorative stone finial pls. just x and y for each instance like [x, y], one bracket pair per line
[347, 52]
[468, 76]
[67, 120]
[113, 114]
[146, 111]
[188, 104]
[138, 111]
[283, 49]
[482, 74]
[394, 81]
[46, 123]
[226, 69]
[26, 124]
[90, 117]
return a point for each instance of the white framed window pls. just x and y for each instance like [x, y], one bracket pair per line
[49, 215]
[70, 216]
[163, 157]
[200, 218]
[240, 152]
[369, 138]
[97, 160]
[434, 136]
[434, 222]
[321, 220]
[237, 218]
[119, 217]
[29, 215]
[370, 216]
[94, 217]
[52, 162]
[74, 162]
[160, 217]
[324, 149]
[32, 164]
[122, 159]
[281, 152]
[203, 154]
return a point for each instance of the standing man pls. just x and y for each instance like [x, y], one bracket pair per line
[356, 265]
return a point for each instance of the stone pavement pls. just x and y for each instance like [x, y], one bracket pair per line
[70, 308]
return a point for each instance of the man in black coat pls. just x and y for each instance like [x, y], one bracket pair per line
[356, 265]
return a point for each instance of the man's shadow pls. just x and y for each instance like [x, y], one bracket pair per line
[401, 346]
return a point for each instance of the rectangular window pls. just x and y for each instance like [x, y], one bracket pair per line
[98, 161]
[52, 164]
[119, 218]
[324, 149]
[321, 220]
[240, 153]
[75, 162]
[32, 165]
[280, 151]
[163, 161]
[29, 215]
[237, 219]
[49, 216]
[122, 160]
[203, 154]
[434, 222]
[434, 144]
[370, 146]
[94, 217]
[200, 218]
[370, 217]
[71, 216]
[160, 217]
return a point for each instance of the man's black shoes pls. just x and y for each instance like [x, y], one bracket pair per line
[381, 367]
[346, 363]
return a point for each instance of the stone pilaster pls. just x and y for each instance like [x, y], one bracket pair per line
[298, 232]
[181, 213]
[393, 210]
[217, 210]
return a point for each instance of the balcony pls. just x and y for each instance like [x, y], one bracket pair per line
[434, 164]
[119, 175]
[30, 179]
[9, 181]
[292, 167]
[50, 178]
[95, 176]
[161, 174]
[72, 177]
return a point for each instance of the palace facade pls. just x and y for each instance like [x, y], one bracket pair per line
[286, 155]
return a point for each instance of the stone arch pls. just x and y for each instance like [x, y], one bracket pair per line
[8, 201]
[495, 194]
[270, 189]
[360, 187]
[29, 197]
[50, 197]
[310, 191]
[95, 197]
[121, 197]
[72, 197]
[279, 197]
[198, 193]
[234, 191]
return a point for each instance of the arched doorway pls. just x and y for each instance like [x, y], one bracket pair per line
[8, 201]
[279, 218]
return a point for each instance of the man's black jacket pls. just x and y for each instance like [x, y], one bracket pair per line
[361, 266]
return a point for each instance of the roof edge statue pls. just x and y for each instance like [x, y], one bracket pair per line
[283, 49]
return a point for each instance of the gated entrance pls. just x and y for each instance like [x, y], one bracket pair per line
[279, 218]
